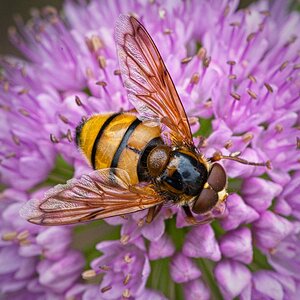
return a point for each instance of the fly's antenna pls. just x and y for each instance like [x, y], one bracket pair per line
[235, 157]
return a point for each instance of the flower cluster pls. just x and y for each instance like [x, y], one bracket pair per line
[237, 71]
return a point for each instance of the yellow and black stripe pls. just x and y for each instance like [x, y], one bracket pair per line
[118, 141]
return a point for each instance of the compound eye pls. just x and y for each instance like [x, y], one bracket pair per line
[207, 200]
[217, 177]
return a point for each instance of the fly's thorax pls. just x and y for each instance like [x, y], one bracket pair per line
[184, 173]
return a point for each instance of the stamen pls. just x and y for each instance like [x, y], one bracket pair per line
[283, 65]
[296, 67]
[232, 76]
[124, 239]
[250, 37]
[279, 128]
[252, 94]
[186, 60]
[236, 96]
[9, 236]
[252, 78]
[89, 73]
[6, 86]
[24, 112]
[101, 83]
[231, 62]
[95, 43]
[106, 288]
[102, 62]
[69, 136]
[298, 143]
[126, 293]
[128, 258]
[78, 101]
[247, 137]
[63, 118]
[88, 274]
[23, 235]
[268, 86]
[105, 268]
[16, 139]
[228, 144]
[126, 279]
[53, 139]
[195, 78]
[168, 31]
[201, 53]
[206, 62]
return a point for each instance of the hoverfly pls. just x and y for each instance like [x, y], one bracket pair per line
[136, 166]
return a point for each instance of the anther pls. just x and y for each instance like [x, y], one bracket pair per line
[296, 67]
[24, 112]
[117, 72]
[236, 96]
[9, 236]
[195, 78]
[124, 239]
[265, 13]
[231, 62]
[126, 279]
[105, 268]
[252, 94]
[268, 87]
[69, 136]
[102, 62]
[16, 139]
[53, 139]
[168, 31]
[235, 24]
[23, 91]
[95, 43]
[23, 235]
[247, 137]
[89, 73]
[162, 13]
[126, 294]
[106, 288]
[78, 101]
[228, 144]
[63, 118]
[226, 10]
[279, 128]
[250, 37]
[101, 83]
[186, 60]
[232, 76]
[201, 53]
[298, 143]
[206, 62]
[128, 258]
[6, 86]
[283, 65]
[88, 274]
[252, 78]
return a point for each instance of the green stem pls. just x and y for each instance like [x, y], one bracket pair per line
[207, 275]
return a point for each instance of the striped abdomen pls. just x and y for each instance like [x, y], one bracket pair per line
[118, 141]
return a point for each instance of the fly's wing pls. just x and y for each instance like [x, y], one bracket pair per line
[146, 78]
[102, 194]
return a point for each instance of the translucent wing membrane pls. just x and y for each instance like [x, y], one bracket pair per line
[149, 85]
[101, 194]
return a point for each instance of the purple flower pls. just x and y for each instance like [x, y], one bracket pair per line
[125, 267]
[35, 261]
[237, 71]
